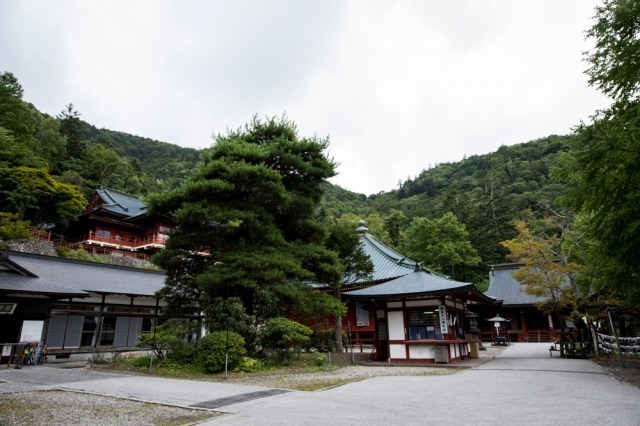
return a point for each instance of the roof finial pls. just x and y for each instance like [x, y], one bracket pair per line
[361, 228]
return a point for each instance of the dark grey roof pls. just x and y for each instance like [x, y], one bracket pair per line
[419, 282]
[29, 285]
[506, 288]
[387, 263]
[121, 203]
[56, 274]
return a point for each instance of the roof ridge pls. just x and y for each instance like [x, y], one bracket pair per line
[377, 243]
[124, 194]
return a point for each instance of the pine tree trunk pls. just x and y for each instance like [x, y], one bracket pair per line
[337, 293]
[338, 334]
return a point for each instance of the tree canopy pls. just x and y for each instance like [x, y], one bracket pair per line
[604, 165]
[442, 244]
[251, 205]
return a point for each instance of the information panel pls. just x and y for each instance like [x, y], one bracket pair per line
[444, 327]
[31, 331]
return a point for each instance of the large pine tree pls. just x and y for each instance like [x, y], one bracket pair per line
[251, 204]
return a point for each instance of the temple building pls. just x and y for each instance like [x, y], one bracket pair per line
[76, 306]
[388, 265]
[117, 224]
[415, 314]
[525, 322]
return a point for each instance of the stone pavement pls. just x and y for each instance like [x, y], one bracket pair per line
[522, 385]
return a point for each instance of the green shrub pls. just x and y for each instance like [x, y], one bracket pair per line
[142, 362]
[170, 337]
[282, 334]
[323, 340]
[249, 365]
[80, 254]
[214, 346]
[319, 359]
[11, 228]
[185, 354]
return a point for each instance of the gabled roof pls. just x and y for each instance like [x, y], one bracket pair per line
[418, 283]
[503, 286]
[121, 203]
[56, 276]
[387, 263]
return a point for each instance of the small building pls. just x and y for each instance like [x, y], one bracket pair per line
[76, 306]
[420, 317]
[525, 322]
[388, 265]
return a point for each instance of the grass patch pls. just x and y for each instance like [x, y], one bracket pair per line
[304, 365]
[314, 385]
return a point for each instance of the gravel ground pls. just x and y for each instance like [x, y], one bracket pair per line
[331, 378]
[74, 408]
[628, 373]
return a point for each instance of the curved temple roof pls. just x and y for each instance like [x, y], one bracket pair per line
[387, 263]
[503, 286]
[418, 283]
[121, 203]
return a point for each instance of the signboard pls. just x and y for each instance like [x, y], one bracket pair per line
[6, 350]
[444, 327]
[31, 331]
[7, 308]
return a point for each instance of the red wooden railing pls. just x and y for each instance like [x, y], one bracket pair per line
[40, 235]
[121, 239]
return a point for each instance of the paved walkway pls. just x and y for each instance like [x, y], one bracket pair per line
[522, 385]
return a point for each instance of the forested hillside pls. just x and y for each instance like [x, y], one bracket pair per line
[486, 193]
[50, 165]
[161, 160]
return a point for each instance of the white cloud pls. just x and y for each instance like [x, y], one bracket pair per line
[396, 85]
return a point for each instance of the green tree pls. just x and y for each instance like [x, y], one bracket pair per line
[551, 263]
[251, 204]
[614, 67]
[603, 166]
[356, 266]
[15, 115]
[35, 196]
[52, 146]
[442, 244]
[13, 153]
[168, 337]
[550, 266]
[394, 223]
[73, 129]
[11, 228]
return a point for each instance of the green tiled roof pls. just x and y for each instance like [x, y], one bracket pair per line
[418, 282]
[387, 263]
[121, 203]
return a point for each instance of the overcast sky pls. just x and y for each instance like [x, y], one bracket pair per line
[396, 85]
